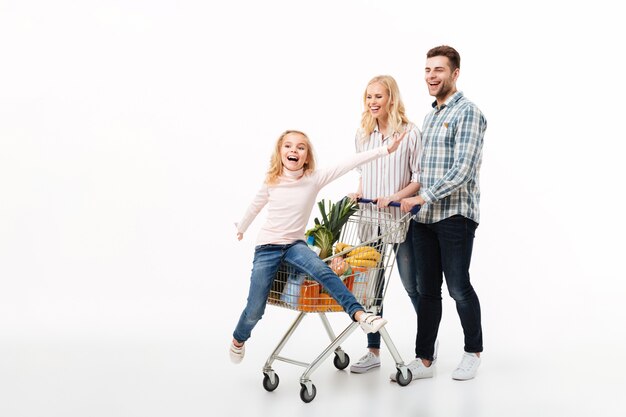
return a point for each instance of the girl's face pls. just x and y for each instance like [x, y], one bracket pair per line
[376, 100]
[294, 151]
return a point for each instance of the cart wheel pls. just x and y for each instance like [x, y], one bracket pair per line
[401, 380]
[267, 382]
[304, 394]
[339, 364]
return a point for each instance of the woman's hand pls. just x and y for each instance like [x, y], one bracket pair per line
[354, 196]
[383, 202]
[239, 235]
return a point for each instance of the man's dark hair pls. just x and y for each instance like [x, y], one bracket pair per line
[449, 52]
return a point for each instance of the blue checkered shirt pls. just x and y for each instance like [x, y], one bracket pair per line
[452, 141]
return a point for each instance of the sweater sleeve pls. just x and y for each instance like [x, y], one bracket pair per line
[259, 201]
[328, 175]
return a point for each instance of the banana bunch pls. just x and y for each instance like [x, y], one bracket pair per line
[365, 256]
[340, 247]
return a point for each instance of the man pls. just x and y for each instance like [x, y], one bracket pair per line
[443, 233]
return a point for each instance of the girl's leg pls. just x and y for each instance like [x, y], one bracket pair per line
[267, 259]
[304, 259]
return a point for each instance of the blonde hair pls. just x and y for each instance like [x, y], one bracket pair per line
[394, 108]
[276, 163]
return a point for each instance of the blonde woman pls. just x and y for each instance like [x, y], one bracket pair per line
[387, 179]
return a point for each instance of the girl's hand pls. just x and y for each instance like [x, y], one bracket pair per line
[239, 235]
[395, 140]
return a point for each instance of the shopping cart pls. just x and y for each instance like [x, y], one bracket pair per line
[368, 229]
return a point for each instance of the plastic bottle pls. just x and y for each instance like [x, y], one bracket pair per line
[311, 242]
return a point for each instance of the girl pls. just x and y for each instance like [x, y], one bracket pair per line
[391, 178]
[289, 190]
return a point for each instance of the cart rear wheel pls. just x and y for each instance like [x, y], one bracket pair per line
[304, 394]
[403, 382]
[339, 364]
[267, 382]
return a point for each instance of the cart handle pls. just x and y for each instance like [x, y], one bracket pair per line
[414, 210]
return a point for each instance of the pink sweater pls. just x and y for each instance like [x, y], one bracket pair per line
[290, 201]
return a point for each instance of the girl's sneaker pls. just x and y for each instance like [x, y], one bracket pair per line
[236, 353]
[371, 323]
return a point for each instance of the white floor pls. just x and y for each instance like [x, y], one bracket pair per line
[186, 372]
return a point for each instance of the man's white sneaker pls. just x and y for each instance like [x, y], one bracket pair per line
[467, 368]
[371, 323]
[367, 362]
[236, 353]
[418, 370]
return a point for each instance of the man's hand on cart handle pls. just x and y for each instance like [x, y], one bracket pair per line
[406, 204]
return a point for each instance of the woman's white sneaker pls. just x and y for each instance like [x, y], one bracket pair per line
[367, 362]
[467, 368]
[418, 370]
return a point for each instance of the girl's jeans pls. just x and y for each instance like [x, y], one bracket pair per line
[267, 259]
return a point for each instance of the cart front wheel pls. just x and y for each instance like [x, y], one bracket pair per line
[339, 364]
[402, 381]
[304, 393]
[267, 382]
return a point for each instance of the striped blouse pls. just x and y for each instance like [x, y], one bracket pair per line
[385, 176]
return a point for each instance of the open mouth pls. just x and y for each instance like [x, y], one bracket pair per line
[292, 158]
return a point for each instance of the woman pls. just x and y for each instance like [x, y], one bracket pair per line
[387, 179]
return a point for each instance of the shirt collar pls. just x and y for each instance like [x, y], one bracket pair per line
[451, 101]
[293, 174]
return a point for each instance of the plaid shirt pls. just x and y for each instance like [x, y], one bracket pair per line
[452, 153]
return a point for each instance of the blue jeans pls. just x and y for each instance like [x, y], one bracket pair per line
[445, 249]
[406, 269]
[267, 259]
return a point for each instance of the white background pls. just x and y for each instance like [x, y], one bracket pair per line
[134, 133]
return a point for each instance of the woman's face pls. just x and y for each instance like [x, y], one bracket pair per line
[294, 151]
[376, 100]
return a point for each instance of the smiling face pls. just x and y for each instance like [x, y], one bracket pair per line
[377, 101]
[294, 151]
[440, 78]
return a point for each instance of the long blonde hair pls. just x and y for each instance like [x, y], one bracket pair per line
[276, 163]
[395, 107]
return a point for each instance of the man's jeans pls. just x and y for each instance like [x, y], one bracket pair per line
[267, 259]
[444, 249]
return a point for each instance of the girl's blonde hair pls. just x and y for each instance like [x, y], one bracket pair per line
[276, 163]
[395, 107]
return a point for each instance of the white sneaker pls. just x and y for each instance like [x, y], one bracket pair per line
[367, 362]
[371, 323]
[467, 368]
[418, 370]
[236, 353]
